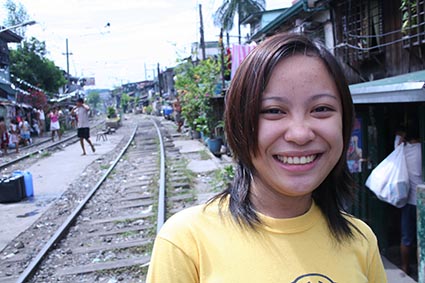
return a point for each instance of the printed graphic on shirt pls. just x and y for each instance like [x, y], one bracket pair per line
[313, 278]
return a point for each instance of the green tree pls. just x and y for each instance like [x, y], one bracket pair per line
[225, 14]
[125, 100]
[28, 62]
[93, 98]
[16, 14]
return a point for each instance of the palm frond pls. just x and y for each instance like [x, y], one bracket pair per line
[225, 14]
[250, 7]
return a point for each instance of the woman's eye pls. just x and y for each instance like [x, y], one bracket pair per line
[323, 109]
[272, 111]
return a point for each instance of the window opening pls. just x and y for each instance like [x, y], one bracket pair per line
[413, 22]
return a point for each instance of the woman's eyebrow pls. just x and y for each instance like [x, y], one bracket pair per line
[279, 98]
[323, 95]
[310, 99]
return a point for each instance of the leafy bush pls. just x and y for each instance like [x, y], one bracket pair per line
[111, 112]
[196, 82]
[149, 109]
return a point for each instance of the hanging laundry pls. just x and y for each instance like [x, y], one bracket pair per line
[239, 52]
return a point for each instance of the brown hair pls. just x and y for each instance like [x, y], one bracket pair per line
[243, 102]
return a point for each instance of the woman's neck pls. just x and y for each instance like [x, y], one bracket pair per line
[270, 202]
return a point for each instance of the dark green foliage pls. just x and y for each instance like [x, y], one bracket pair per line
[28, 62]
[93, 99]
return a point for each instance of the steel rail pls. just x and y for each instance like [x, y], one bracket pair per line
[32, 266]
[161, 193]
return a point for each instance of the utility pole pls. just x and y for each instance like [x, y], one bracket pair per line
[67, 63]
[159, 80]
[202, 33]
[221, 46]
[228, 39]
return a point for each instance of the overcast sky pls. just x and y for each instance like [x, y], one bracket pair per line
[140, 34]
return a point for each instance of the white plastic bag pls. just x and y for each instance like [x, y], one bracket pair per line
[390, 180]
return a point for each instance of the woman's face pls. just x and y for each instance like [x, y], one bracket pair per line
[299, 131]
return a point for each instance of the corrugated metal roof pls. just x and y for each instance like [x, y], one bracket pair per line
[402, 88]
[10, 36]
[7, 88]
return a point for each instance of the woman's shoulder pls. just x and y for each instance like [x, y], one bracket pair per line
[179, 224]
[187, 221]
[190, 213]
[185, 216]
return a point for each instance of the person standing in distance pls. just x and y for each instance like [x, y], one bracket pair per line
[178, 114]
[54, 123]
[413, 154]
[4, 136]
[14, 134]
[42, 121]
[83, 129]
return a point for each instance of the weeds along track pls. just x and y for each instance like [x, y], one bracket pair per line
[111, 237]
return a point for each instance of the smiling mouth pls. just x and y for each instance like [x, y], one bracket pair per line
[296, 160]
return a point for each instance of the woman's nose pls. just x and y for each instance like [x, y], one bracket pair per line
[299, 132]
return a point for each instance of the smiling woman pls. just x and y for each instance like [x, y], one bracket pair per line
[288, 120]
[299, 135]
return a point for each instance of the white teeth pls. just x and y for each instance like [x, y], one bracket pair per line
[298, 160]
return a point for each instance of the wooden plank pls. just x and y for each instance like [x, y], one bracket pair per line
[120, 231]
[8, 279]
[179, 175]
[134, 198]
[146, 151]
[180, 185]
[136, 204]
[15, 258]
[181, 197]
[179, 178]
[111, 246]
[135, 191]
[87, 268]
[146, 172]
[121, 218]
[177, 169]
[137, 183]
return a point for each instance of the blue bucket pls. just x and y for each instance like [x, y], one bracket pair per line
[215, 145]
[27, 180]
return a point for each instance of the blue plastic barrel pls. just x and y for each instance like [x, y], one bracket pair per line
[28, 182]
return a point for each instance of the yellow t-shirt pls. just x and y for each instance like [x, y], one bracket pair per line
[198, 245]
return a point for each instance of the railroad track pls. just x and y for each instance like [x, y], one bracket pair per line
[109, 236]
